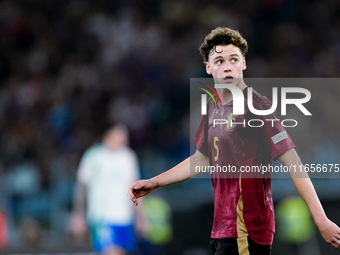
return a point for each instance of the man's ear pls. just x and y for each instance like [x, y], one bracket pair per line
[244, 65]
[207, 67]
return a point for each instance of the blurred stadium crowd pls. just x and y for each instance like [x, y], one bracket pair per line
[68, 66]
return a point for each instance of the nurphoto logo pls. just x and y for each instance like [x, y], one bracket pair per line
[239, 102]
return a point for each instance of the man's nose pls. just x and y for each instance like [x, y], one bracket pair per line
[226, 67]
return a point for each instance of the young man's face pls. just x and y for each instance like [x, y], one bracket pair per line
[226, 64]
[116, 137]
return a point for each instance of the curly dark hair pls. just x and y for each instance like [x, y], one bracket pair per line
[222, 36]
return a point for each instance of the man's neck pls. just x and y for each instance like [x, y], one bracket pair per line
[225, 94]
[112, 145]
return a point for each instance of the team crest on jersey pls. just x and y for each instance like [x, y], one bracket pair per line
[280, 137]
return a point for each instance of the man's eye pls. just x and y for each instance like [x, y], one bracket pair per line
[233, 60]
[219, 62]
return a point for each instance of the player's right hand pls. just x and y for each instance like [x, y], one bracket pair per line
[330, 232]
[139, 189]
[78, 225]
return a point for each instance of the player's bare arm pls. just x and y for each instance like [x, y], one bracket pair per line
[78, 221]
[329, 230]
[179, 173]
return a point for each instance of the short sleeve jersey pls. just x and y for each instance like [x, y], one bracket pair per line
[108, 175]
[243, 204]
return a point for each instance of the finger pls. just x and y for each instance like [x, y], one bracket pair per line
[130, 194]
[133, 198]
[335, 245]
[139, 185]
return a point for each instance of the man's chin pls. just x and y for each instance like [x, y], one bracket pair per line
[230, 81]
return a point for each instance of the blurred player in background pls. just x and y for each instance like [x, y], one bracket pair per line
[105, 173]
[243, 211]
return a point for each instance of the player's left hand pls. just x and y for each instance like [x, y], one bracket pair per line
[330, 232]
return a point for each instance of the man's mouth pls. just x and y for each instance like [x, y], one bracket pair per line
[228, 78]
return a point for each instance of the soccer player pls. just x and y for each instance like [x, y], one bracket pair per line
[243, 207]
[106, 171]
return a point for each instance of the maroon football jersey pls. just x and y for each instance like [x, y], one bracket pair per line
[243, 204]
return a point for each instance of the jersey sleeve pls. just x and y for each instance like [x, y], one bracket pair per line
[274, 134]
[201, 136]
